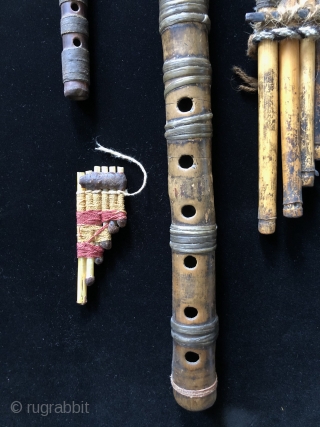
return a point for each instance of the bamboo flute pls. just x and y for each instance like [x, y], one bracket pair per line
[268, 132]
[289, 65]
[184, 26]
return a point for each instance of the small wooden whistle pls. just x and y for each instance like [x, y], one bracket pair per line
[75, 54]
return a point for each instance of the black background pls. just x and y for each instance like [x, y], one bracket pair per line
[115, 352]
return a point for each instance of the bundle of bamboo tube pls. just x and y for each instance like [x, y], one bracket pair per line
[284, 38]
[100, 213]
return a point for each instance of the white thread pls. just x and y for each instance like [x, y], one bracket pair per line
[194, 393]
[130, 159]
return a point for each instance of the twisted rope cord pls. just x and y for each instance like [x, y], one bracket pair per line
[178, 11]
[194, 393]
[286, 23]
[129, 159]
[286, 33]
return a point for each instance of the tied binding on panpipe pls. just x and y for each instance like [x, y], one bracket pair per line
[184, 29]
[75, 54]
[100, 213]
[285, 33]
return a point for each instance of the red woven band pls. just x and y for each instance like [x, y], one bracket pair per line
[112, 215]
[86, 250]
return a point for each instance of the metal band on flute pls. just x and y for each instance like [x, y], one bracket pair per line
[75, 55]
[184, 25]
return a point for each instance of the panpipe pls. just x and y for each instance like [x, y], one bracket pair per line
[100, 213]
[184, 26]
[284, 40]
[75, 55]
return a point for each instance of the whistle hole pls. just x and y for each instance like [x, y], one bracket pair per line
[74, 7]
[186, 162]
[188, 211]
[185, 104]
[190, 262]
[190, 312]
[77, 42]
[191, 357]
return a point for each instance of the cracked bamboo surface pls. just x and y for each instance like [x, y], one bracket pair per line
[268, 134]
[289, 66]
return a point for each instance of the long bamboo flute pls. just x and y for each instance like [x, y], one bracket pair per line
[268, 132]
[289, 65]
[184, 26]
[307, 90]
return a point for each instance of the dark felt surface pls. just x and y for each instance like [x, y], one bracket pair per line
[115, 353]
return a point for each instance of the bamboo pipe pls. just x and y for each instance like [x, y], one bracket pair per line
[97, 201]
[289, 65]
[307, 90]
[81, 286]
[317, 102]
[90, 261]
[268, 133]
[107, 244]
[113, 199]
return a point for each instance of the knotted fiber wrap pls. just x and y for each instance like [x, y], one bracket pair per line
[75, 64]
[74, 24]
[297, 22]
[184, 67]
[76, 1]
[178, 11]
